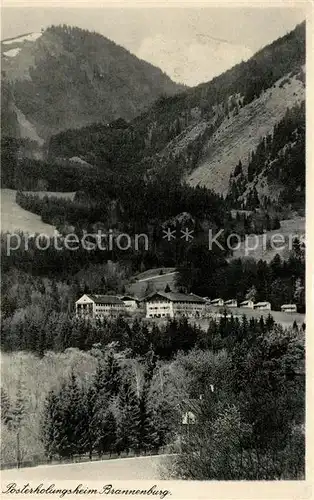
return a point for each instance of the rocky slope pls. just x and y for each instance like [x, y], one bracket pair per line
[238, 135]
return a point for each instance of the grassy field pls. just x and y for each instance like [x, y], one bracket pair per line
[152, 280]
[14, 218]
[284, 319]
[288, 228]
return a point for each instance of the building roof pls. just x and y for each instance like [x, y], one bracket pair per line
[245, 302]
[177, 297]
[128, 297]
[230, 300]
[216, 300]
[262, 304]
[288, 305]
[106, 299]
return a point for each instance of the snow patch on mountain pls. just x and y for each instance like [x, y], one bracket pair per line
[12, 52]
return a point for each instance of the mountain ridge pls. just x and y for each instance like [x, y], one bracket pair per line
[201, 134]
[67, 78]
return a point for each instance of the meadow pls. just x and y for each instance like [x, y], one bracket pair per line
[14, 218]
[151, 280]
[290, 228]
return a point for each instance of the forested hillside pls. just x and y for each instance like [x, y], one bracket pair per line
[275, 173]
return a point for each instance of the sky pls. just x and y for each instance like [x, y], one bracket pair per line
[191, 45]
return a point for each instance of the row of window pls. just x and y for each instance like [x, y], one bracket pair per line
[158, 315]
[176, 303]
[110, 306]
[159, 308]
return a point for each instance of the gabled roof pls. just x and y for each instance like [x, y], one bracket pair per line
[216, 300]
[177, 297]
[230, 300]
[246, 302]
[106, 299]
[288, 305]
[262, 304]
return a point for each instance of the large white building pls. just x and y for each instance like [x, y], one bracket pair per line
[97, 306]
[163, 304]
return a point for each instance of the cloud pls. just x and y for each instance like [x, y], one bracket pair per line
[192, 62]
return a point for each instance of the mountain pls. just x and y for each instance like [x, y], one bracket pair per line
[200, 135]
[67, 77]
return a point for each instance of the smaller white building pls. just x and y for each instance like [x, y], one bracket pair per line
[131, 303]
[263, 306]
[289, 308]
[247, 304]
[217, 302]
[231, 303]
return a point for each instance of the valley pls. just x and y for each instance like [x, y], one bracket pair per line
[107, 150]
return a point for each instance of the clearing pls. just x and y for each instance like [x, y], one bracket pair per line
[289, 229]
[14, 218]
[151, 280]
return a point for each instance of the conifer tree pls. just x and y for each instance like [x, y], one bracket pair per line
[6, 407]
[147, 435]
[17, 416]
[129, 419]
[50, 425]
[64, 421]
[90, 424]
[73, 404]
[107, 377]
[106, 434]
